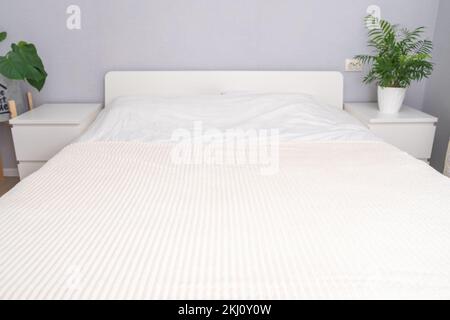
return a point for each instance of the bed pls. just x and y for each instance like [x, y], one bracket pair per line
[340, 215]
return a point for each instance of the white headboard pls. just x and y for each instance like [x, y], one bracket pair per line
[327, 87]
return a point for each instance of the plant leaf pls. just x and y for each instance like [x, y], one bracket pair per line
[400, 56]
[38, 84]
[29, 54]
[24, 63]
[3, 36]
[10, 69]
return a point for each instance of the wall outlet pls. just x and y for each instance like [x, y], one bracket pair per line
[353, 65]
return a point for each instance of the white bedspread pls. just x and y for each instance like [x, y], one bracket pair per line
[119, 220]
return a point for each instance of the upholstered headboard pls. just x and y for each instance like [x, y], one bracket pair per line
[327, 87]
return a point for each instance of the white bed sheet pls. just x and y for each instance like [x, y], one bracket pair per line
[119, 220]
[298, 117]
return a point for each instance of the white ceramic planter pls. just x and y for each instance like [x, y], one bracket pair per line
[390, 100]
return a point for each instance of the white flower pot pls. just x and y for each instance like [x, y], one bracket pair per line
[390, 100]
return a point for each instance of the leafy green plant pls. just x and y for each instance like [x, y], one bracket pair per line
[23, 63]
[400, 56]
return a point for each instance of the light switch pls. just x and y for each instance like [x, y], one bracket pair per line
[353, 65]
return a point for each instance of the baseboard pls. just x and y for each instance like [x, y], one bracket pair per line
[10, 172]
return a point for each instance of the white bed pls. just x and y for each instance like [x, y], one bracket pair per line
[346, 216]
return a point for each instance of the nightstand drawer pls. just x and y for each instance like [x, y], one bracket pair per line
[409, 130]
[41, 133]
[415, 139]
[41, 143]
[27, 168]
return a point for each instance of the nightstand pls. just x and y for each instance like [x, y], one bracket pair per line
[410, 130]
[41, 133]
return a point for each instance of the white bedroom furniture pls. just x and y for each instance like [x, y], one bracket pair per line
[42, 132]
[410, 130]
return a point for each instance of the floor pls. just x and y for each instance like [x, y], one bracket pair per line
[7, 184]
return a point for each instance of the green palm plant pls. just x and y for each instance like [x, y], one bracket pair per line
[400, 56]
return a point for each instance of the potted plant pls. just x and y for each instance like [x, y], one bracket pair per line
[400, 57]
[22, 62]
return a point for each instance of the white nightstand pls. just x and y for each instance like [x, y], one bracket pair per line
[42, 132]
[410, 130]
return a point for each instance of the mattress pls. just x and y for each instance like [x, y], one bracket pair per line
[119, 220]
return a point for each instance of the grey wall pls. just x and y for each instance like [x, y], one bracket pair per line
[200, 34]
[437, 98]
